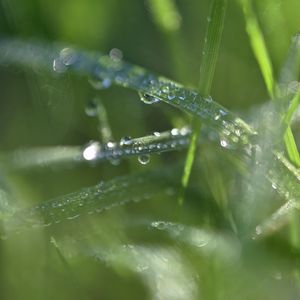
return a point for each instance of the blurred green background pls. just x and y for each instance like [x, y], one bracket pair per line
[42, 108]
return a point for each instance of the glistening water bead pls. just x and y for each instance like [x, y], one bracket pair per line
[58, 66]
[125, 141]
[144, 159]
[68, 56]
[148, 99]
[91, 151]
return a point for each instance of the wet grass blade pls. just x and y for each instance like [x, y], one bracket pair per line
[103, 68]
[95, 199]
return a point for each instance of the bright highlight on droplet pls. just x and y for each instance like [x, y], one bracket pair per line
[91, 151]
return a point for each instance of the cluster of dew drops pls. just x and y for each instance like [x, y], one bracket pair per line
[69, 57]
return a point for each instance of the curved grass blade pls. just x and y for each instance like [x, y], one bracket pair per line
[102, 68]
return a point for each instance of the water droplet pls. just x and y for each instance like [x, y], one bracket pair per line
[171, 96]
[222, 112]
[68, 56]
[175, 131]
[274, 186]
[91, 108]
[100, 84]
[224, 143]
[144, 159]
[161, 225]
[58, 66]
[156, 133]
[148, 99]
[165, 89]
[91, 151]
[217, 117]
[126, 141]
[116, 54]
[185, 130]
[208, 99]
[111, 145]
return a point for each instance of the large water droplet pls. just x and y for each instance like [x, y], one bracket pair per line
[58, 66]
[116, 54]
[144, 159]
[175, 131]
[68, 56]
[148, 99]
[91, 151]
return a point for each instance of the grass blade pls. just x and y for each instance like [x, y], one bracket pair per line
[208, 64]
[258, 45]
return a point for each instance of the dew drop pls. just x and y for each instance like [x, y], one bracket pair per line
[91, 151]
[165, 89]
[274, 186]
[156, 133]
[171, 96]
[224, 143]
[208, 99]
[148, 99]
[185, 131]
[175, 131]
[144, 159]
[68, 56]
[116, 54]
[160, 225]
[100, 84]
[111, 145]
[58, 66]
[126, 141]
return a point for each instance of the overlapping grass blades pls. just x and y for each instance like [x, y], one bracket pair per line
[233, 132]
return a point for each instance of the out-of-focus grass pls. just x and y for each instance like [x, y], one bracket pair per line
[138, 251]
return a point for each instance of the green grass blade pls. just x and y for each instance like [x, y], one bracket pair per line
[258, 45]
[208, 64]
[262, 56]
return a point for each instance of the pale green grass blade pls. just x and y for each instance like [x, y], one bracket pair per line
[262, 56]
[95, 199]
[258, 45]
[209, 58]
[167, 18]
